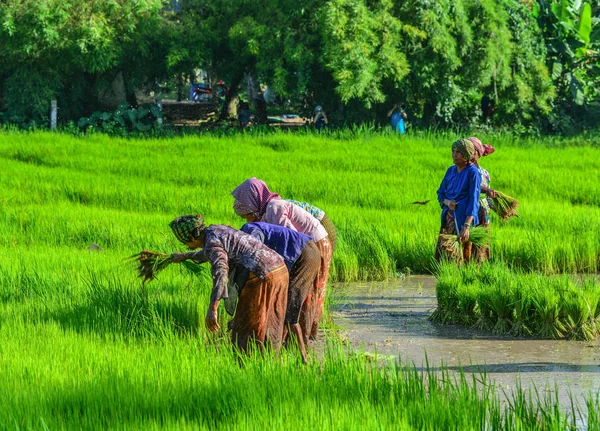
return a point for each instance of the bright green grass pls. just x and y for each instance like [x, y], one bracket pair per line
[57, 190]
[495, 298]
[83, 347]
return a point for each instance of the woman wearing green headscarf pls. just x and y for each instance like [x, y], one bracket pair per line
[458, 196]
[262, 304]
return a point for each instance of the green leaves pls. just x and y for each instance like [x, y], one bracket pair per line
[362, 48]
[585, 23]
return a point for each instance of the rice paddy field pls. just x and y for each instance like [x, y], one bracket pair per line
[84, 346]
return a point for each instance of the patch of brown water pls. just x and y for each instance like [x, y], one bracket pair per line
[392, 319]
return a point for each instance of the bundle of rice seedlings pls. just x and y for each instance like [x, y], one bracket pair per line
[486, 317]
[467, 301]
[151, 263]
[548, 310]
[579, 318]
[451, 247]
[521, 311]
[504, 206]
[501, 304]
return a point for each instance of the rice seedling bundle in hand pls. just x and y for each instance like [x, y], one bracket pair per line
[504, 206]
[151, 263]
[451, 245]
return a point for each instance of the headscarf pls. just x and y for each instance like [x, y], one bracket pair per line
[482, 149]
[466, 148]
[252, 197]
[186, 227]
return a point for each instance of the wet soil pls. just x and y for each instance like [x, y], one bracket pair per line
[392, 319]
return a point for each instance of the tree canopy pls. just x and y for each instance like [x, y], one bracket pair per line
[535, 60]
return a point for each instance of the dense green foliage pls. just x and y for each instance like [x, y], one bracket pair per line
[62, 50]
[83, 346]
[537, 61]
[492, 297]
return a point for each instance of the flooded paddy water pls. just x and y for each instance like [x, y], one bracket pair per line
[391, 318]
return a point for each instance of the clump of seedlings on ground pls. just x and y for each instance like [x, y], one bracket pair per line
[495, 298]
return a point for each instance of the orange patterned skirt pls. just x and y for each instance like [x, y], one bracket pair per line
[260, 311]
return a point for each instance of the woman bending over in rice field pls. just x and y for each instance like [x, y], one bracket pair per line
[255, 202]
[303, 261]
[458, 196]
[262, 304]
[481, 253]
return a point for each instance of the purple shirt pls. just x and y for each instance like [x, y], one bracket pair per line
[286, 242]
[224, 247]
[464, 187]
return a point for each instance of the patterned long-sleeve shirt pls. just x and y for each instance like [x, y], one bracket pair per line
[484, 202]
[285, 213]
[316, 212]
[224, 247]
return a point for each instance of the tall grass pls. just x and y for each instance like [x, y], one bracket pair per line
[84, 346]
[58, 190]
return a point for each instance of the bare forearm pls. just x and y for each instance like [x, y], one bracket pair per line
[214, 305]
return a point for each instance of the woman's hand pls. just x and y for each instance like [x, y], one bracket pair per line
[212, 317]
[492, 193]
[450, 204]
[178, 257]
[212, 320]
[464, 233]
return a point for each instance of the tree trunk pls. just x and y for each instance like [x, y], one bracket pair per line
[129, 91]
[212, 79]
[230, 106]
[179, 87]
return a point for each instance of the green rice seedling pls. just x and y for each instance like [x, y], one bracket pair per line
[579, 308]
[445, 291]
[522, 309]
[502, 307]
[504, 206]
[547, 313]
[151, 263]
[486, 318]
[466, 305]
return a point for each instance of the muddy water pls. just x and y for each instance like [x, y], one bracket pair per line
[391, 319]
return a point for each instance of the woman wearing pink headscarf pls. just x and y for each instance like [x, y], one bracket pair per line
[255, 202]
[481, 150]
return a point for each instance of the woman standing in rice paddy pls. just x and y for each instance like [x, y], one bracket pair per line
[458, 196]
[255, 202]
[262, 304]
[482, 253]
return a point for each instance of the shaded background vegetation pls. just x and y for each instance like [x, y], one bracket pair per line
[536, 60]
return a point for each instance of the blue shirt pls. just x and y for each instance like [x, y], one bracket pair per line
[397, 121]
[463, 187]
[286, 242]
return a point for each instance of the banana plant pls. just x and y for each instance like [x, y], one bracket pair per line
[573, 41]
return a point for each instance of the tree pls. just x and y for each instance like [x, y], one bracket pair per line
[51, 47]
